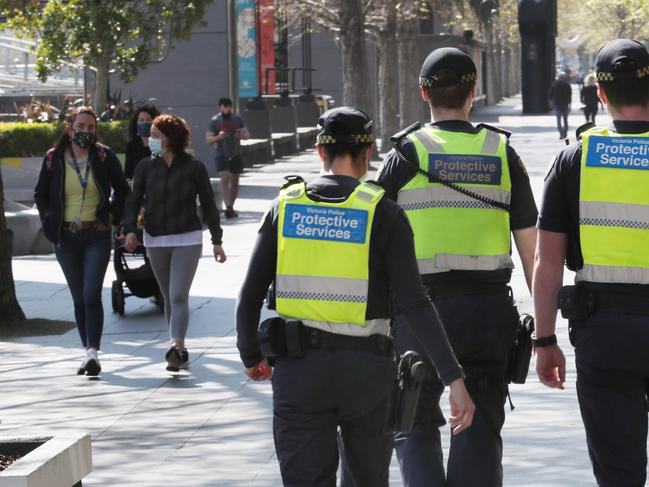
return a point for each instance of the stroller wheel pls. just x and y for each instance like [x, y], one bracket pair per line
[117, 295]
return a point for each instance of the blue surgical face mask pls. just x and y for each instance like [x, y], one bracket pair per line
[155, 146]
[144, 129]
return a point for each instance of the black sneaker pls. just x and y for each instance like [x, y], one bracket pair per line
[92, 367]
[184, 356]
[174, 359]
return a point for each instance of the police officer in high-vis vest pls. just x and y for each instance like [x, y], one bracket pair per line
[465, 191]
[338, 251]
[595, 218]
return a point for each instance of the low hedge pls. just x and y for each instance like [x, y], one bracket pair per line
[34, 139]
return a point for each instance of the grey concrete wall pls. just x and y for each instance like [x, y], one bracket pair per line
[190, 80]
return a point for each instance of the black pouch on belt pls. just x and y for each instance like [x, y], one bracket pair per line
[272, 338]
[411, 372]
[518, 361]
[576, 302]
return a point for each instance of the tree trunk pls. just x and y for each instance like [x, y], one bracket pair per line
[410, 103]
[353, 50]
[10, 310]
[491, 64]
[388, 79]
[101, 83]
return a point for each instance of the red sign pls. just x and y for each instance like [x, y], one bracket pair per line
[267, 44]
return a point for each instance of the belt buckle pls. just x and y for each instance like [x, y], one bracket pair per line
[74, 226]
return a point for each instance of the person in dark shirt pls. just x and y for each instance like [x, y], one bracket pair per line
[560, 101]
[139, 131]
[344, 375]
[590, 99]
[226, 131]
[594, 218]
[463, 249]
[170, 180]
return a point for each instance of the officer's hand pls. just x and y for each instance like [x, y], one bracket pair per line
[219, 253]
[462, 407]
[261, 371]
[130, 242]
[551, 366]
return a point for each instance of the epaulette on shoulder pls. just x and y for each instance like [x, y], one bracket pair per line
[495, 129]
[583, 128]
[292, 179]
[403, 133]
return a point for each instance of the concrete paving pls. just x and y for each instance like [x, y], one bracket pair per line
[209, 426]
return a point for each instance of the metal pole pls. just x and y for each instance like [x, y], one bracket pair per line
[233, 78]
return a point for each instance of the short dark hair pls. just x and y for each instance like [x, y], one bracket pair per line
[132, 123]
[627, 92]
[176, 131]
[339, 150]
[225, 102]
[453, 96]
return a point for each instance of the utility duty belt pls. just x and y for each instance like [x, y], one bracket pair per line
[463, 287]
[279, 337]
[577, 303]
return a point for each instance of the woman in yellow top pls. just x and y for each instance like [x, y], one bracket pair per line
[80, 192]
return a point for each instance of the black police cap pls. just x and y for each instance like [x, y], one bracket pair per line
[447, 66]
[622, 59]
[344, 125]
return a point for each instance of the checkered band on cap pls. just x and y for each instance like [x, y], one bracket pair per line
[465, 78]
[350, 139]
[325, 139]
[605, 76]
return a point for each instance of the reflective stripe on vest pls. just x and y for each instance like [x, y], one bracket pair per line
[454, 231]
[323, 255]
[614, 207]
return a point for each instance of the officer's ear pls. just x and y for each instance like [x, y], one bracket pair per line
[424, 93]
[601, 93]
[322, 153]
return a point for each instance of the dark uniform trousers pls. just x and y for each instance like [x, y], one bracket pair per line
[315, 396]
[481, 330]
[612, 356]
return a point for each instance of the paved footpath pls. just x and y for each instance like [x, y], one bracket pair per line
[209, 426]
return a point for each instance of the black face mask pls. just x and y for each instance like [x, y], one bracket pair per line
[226, 115]
[83, 139]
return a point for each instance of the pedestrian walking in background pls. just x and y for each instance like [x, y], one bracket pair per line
[226, 131]
[80, 192]
[594, 219]
[462, 237]
[139, 130]
[560, 101]
[170, 180]
[589, 98]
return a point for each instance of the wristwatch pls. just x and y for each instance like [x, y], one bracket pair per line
[542, 342]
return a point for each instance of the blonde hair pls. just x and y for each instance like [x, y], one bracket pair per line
[589, 80]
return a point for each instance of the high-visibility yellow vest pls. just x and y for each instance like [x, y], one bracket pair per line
[454, 231]
[323, 255]
[614, 207]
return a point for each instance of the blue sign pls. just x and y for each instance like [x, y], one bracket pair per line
[466, 169]
[618, 152]
[325, 223]
[247, 48]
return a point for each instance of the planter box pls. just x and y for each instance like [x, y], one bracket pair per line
[56, 461]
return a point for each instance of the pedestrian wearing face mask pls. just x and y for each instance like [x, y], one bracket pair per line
[170, 180]
[139, 130]
[80, 192]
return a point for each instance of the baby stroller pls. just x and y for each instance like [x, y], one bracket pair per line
[133, 269]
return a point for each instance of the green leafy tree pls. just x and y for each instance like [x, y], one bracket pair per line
[120, 36]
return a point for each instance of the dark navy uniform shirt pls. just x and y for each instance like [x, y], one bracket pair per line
[395, 174]
[560, 207]
[393, 277]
